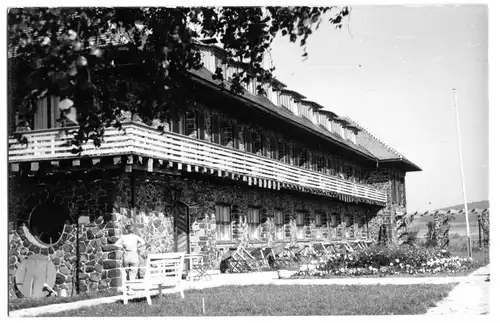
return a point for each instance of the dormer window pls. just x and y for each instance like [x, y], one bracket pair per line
[349, 134]
[292, 100]
[342, 131]
[251, 86]
[219, 62]
[315, 117]
[328, 125]
[352, 132]
[208, 59]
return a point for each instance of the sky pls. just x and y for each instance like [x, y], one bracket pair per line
[392, 71]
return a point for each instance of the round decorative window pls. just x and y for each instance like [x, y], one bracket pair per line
[47, 222]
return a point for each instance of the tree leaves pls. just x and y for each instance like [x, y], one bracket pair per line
[109, 60]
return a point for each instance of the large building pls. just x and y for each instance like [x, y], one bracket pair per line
[252, 168]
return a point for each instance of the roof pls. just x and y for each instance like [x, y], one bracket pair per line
[313, 104]
[380, 149]
[295, 94]
[288, 115]
[367, 145]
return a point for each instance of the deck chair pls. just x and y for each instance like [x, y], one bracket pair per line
[237, 260]
[268, 253]
[259, 259]
[319, 248]
[283, 255]
[161, 271]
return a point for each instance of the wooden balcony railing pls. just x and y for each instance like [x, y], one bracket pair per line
[144, 141]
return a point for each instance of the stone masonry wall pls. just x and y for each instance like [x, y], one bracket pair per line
[380, 178]
[86, 259]
[82, 195]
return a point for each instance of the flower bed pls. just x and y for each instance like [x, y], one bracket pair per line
[377, 260]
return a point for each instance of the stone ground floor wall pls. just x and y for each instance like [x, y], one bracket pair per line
[96, 205]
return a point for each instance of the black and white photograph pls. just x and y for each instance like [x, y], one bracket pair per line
[270, 160]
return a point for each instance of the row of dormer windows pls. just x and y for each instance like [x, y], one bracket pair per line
[211, 61]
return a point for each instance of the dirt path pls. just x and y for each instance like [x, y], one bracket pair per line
[469, 297]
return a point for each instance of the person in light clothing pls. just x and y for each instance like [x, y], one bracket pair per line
[130, 243]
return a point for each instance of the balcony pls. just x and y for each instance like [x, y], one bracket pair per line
[141, 140]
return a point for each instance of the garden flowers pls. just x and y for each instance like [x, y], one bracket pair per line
[388, 261]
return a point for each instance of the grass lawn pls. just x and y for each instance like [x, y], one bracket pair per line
[482, 257]
[272, 300]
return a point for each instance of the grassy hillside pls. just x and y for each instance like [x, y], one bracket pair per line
[458, 224]
[472, 205]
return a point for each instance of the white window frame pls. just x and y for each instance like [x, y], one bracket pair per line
[253, 221]
[279, 224]
[300, 224]
[223, 223]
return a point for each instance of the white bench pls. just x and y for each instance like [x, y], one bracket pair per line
[162, 270]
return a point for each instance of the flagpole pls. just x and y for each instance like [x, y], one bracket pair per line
[469, 249]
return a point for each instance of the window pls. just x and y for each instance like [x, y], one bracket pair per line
[215, 129]
[48, 232]
[349, 225]
[208, 60]
[191, 124]
[47, 113]
[328, 125]
[295, 107]
[207, 127]
[282, 155]
[220, 63]
[302, 158]
[322, 164]
[178, 125]
[223, 222]
[315, 117]
[252, 86]
[318, 222]
[240, 138]
[253, 221]
[226, 133]
[333, 220]
[299, 216]
[267, 148]
[257, 142]
[248, 140]
[279, 224]
[273, 147]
